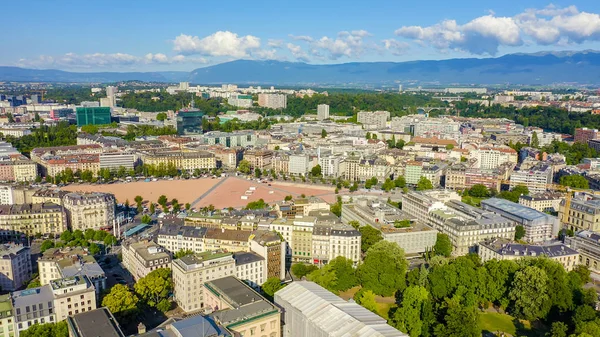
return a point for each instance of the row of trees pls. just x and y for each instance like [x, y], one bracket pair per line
[151, 291]
[45, 136]
[78, 238]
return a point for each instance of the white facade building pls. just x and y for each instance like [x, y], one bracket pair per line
[322, 111]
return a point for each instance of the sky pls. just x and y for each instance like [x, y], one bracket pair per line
[151, 35]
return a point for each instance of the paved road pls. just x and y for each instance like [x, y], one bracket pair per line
[193, 203]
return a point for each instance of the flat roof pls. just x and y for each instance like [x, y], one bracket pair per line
[95, 323]
[514, 208]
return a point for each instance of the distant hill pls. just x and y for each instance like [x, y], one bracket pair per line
[539, 68]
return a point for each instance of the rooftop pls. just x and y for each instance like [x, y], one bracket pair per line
[509, 248]
[5, 306]
[199, 326]
[68, 282]
[96, 323]
[246, 257]
[514, 209]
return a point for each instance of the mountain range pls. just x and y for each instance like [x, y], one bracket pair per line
[539, 68]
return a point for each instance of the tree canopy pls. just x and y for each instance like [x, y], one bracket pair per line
[384, 269]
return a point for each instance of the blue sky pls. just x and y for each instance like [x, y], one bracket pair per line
[163, 35]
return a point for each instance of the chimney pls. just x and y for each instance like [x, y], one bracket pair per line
[141, 328]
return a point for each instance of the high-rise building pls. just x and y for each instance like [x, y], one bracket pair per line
[111, 93]
[15, 261]
[373, 119]
[189, 121]
[272, 101]
[93, 116]
[582, 135]
[322, 112]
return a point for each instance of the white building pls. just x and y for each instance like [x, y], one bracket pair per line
[491, 158]
[330, 165]
[272, 101]
[536, 178]
[250, 267]
[299, 164]
[373, 119]
[322, 112]
[15, 264]
[141, 258]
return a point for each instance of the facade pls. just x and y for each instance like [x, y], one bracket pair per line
[240, 309]
[271, 247]
[583, 214]
[503, 249]
[417, 205]
[331, 241]
[53, 165]
[583, 135]
[7, 316]
[300, 207]
[361, 169]
[230, 139]
[184, 161]
[57, 263]
[242, 101]
[441, 128]
[142, 257]
[93, 210]
[299, 164]
[115, 160]
[330, 166]
[259, 158]
[190, 272]
[17, 168]
[250, 268]
[539, 227]
[189, 122]
[536, 178]
[31, 219]
[465, 234]
[322, 112]
[15, 266]
[543, 202]
[72, 295]
[92, 116]
[373, 119]
[311, 310]
[587, 243]
[272, 101]
[33, 306]
[413, 172]
[491, 158]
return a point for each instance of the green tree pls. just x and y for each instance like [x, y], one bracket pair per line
[479, 191]
[519, 232]
[367, 300]
[161, 116]
[316, 171]
[183, 252]
[559, 329]
[110, 240]
[345, 272]
[400, 182]
[100, 235]
[162, 200]
[300, 269]
[271, 286]
[424, 184]
[368, 135]
[369, 237]
[35, 283]
[59, 329]
[257, 172]
[325, 277]
[259, 204]
[288, 198]
[78, 234]
[408, 316]
[443, 245]
[146, 219]
[449, 147]
[121, 301]
[91, 129]
[388, 185]
[535, 142]
[575, 181]
[152, 208]
[323, 133]
[244, 166]
[66, 236]
[164, 305]
[460, 321]
[138, 200]
[47, 244]
[155, 286]
[384, 269]
[94, 249]
[89, 234]
[529, 292]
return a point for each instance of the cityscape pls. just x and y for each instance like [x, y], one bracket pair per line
[427, 172]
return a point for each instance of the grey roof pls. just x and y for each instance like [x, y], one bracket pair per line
[91, 270]
[96, 323]
[507, 248]
[513, 209]
[331, 314]
[198, 326]
[246, 257]
[185, 231]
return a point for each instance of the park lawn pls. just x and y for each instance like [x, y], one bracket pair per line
[493, 322]
[348, 294]
[384, 308]
[474, 201]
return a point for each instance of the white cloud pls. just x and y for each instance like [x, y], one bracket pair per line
[395, 47]
[100, 60]
[221, 43]
[304, 38]
[551, 25]
[156, 58]
[347, 44]
[298, 52]
[275, 43]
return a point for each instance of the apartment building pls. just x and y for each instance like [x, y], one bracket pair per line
[535, 178]
[88, 324]
[18, 168]
[505, 249]
[543, 202]
[250, 268]
[373, 119]
[192, 271]
[306, 305]
[271, 247]
[240, 309]
[33, 306]
[184, 161]
[417, 205]
[330, 165]
[58, 263]
[53, 165]
[31, 219]
[539, 227]
[259, 158]
[226, 239]
[227, 158]
[272, 101]
[92, 210]
[331, 241]
[465, 234]
[16, 194]
[115, 160]
[583, 135]
[142, 257]
[48, 195]
[491, 158]
[15, 266]
[230, 139]
[587, 243]
[299, 164]
[442, 128]
[7, 316]
[72, 295]
[461, 177]
[583, 214]
[175, 238]
[322, 112]
[413, 171]
[300, 207]
[280, 162]
[361, 169]
[73, 150]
